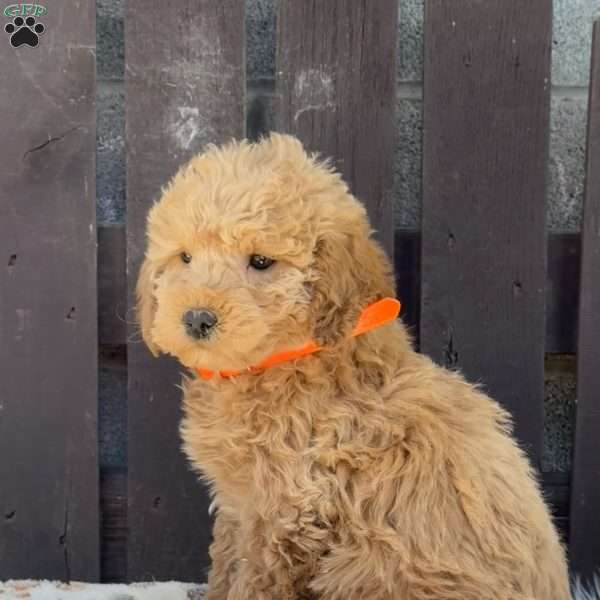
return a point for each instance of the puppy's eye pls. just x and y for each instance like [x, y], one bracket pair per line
[259, 262]
[186, 257]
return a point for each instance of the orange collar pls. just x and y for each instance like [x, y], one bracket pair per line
[373, 316]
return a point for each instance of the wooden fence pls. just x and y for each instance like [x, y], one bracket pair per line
[484, 287]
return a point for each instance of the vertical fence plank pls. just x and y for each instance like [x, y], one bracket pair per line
[112, 283]
[335, 90]
[185, 88]
[487, 91]
[48, 334]
[585, 497]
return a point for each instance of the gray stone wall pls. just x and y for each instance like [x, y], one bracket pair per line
[570, 68]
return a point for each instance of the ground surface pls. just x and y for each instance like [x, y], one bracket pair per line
[44, 590]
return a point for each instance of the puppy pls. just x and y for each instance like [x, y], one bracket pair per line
[362, 471]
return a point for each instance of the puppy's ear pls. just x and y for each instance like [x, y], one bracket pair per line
[350, 272]
[146, 304]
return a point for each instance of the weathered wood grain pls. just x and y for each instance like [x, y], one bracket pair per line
[407, 269]
[112, 286]
[185, 88]
[486, 109]
[562, 292]
[585, 499]
[335, 90]
[113, 519]
[48, 335]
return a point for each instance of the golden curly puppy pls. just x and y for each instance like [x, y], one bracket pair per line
[360, 472]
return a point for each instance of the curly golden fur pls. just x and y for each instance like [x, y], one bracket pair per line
[363, 472]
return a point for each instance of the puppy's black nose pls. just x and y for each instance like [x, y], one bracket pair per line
[199, 323]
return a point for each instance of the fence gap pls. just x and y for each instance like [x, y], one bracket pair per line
[48, 334]
[585, 496]
[486, 110]
[185, 87]
[335, 90]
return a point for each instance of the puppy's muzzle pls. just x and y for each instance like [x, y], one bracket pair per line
[199, 323]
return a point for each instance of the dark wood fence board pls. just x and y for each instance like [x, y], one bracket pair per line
[562, 287]
[112, 286]
[486, 109]
[185, 88]
[585, 500]
[335, 90]
[49, 525]
[562, 292]
[113, 513]
[407, 268]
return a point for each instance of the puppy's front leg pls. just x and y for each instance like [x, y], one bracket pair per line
[223, 554]
[279, 556]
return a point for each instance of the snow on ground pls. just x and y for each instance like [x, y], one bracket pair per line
[592, 592]
[46, 590]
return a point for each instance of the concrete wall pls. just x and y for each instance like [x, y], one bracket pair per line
[570, 70]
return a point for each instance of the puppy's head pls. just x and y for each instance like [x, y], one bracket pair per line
[252, 249]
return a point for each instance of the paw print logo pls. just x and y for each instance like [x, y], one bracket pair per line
[24, 31]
